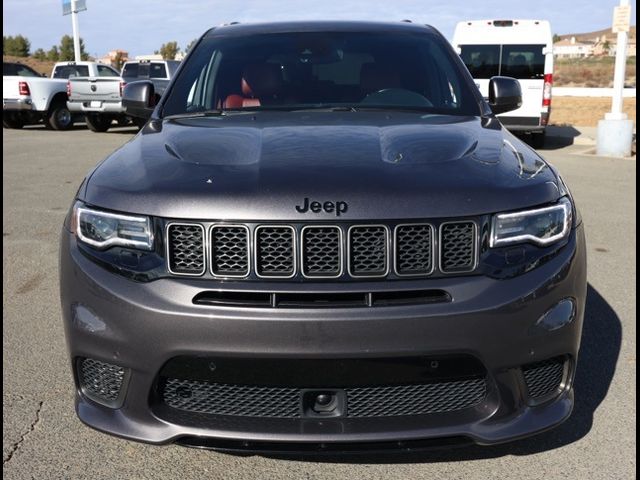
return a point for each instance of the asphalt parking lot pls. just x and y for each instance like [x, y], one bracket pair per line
[43, 439]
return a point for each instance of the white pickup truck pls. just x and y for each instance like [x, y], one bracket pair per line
[99, 97]
[28, 98]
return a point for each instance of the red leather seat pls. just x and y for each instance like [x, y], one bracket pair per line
[260, 84]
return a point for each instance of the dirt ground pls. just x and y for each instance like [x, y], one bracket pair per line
[586, 111]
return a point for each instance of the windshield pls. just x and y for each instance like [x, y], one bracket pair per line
[319, 70]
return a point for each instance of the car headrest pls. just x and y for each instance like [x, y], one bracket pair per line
[374, 77]
[261, 79]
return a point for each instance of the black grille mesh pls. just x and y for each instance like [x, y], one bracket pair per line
[458, 247]
[414, 249]
[229, 250]
[368, 251]
[275, 251]
[285, 402]
[543, 378]
[101, 380]
[186, 249]
[321, 251]
[224, 399]
[418, 399]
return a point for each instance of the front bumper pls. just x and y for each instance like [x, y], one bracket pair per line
[141, 326]
[103, 107]
[17, 104]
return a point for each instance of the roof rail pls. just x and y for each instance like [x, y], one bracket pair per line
[406, 20]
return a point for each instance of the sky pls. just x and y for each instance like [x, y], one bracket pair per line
[142, 26]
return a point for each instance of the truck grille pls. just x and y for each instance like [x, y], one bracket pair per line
[322, 251]
[285, 402]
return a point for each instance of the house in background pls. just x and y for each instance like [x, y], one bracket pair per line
[111, 57]
[573, 48]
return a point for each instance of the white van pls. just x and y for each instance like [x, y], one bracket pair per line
[522, 49]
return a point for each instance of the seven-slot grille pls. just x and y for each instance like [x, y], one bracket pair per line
[321, 251]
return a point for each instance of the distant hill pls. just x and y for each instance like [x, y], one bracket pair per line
[41, 66]
[597, 34]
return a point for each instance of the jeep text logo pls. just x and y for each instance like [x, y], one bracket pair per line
[316, 207]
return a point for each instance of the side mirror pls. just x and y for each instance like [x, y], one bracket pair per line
[138, 99]
[505, 94]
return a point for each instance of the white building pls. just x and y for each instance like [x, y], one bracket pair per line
[572, 48]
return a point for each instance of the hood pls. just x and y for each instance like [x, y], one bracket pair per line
[261, 166]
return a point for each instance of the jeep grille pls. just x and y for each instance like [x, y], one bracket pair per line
[322, 251]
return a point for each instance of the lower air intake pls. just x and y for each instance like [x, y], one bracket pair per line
[544, 379]
[101, 382]
[285, 402]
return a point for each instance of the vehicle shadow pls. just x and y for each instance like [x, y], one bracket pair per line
[121, 129]
[601, 341]
[557, 137]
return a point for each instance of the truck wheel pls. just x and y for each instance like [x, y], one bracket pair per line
[98, 123]
[59, 117]
[11, 121]
[538, 139]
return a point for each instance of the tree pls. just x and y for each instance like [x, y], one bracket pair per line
[169, 50]
[53, 54]
[556, 38]
[17, 46]
[40, 54]
[118, 61]
[190, 44]
[67, 52]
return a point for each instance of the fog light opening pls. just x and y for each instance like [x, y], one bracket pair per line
[557, 317]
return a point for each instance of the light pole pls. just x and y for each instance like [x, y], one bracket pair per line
[615, 132]
[76, 32]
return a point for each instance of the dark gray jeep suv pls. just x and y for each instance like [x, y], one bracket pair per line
[323, 240]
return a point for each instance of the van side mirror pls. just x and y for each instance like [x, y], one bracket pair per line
[505, 94]
[138, 99]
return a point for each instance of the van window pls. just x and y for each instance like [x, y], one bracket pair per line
[518, 61]
[483, 61]
[522, 61]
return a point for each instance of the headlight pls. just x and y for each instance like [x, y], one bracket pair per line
[105, 229]
[541, 226]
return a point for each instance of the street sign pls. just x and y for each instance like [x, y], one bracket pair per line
[81, 5]
[621, 18]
